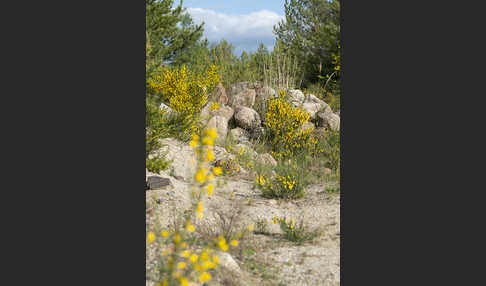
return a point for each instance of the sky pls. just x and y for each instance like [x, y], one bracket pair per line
[244, 24]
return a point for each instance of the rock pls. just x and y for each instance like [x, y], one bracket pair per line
[313, 105]
[220, 123]
[239, 135]
[219, 95]
[265, 93]
[244, 98]
[247, 118]
[157, 182]
[167, 108]
[182, 156]
[240, 86]
[329, 120]
[267, 159]
[227, 261]
[262, 96]
[296, 97]
[224, 111]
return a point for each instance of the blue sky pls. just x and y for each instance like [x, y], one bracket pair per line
[244, 24]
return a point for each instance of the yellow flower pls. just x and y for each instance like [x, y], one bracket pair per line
[165, 283]
[186, 253]
[204, 256]
[181, 265]
[217, 171]
[216, 259]
[235, 243]
[222, 244]
[208, 264]
[201, 175]
[210, 155]
[177, 238]
[190, 227]
[164, 233]
[184, 245]
[193, 143]
[214, 106]
[251, 227]
[165, 252]
[183, 281]
[208, 141]
[205, 276]
[210, 189]
[212, 133]
[193, 258]
[151, 237]
[199, 207]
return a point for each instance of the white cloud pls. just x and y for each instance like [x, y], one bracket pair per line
[243, 31]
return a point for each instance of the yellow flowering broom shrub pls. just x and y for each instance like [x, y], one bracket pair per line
[179, 263]
[287, 183]
[285, 122]
[185, 92]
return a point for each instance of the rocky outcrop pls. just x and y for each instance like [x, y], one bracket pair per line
[247, 118]
[220, 123]
[329, 120]
[219, 95]
[244, 98]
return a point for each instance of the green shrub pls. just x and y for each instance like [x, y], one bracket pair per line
[329, 145]
[293, 231]
[287, 183]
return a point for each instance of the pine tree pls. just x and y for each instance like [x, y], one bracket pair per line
[170, 31]
[311, 31]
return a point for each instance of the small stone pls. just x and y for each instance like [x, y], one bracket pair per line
[156, 182]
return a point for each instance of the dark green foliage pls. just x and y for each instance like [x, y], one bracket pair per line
[330, 145]
[161, 124]
[311, 31]
[170, 32]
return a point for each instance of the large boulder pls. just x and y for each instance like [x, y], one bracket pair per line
[265, 93]
[266, 159]
[329, 120]
[220, 123]
[313, 105]
[296, 97]
[247, 118]
[261, 99]
[240, 86]
[182, 156]
[223, 111]
[245, 97]
[227, 262]
[219, 95]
